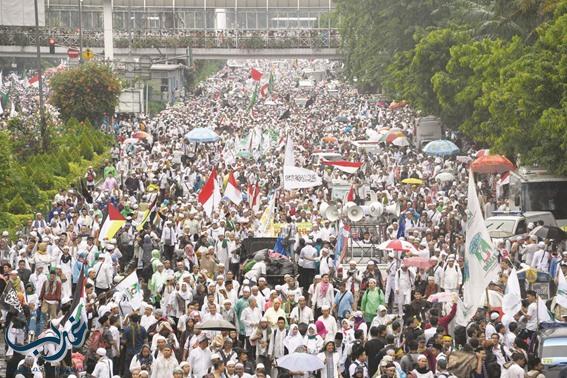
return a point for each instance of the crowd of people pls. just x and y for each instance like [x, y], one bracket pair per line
[361, 318]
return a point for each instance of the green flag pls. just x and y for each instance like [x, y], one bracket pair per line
[271, 83]
[254, 97]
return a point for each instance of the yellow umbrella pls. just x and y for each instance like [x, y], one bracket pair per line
[412, 181]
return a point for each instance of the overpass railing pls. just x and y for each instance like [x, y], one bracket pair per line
[227, 39]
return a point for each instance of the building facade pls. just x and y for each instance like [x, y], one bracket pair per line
[157, 16]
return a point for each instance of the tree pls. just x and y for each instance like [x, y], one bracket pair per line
[85, 92]
[411, 72]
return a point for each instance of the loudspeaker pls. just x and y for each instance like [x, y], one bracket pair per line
[376, 209]
[355, 213]
[332, 213]
[393, 209]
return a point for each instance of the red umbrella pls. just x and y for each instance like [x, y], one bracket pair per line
[141, 135]
[397, 245]
[492, 164]
[419, 262]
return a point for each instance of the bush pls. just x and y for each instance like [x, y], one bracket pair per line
[18, 206]
[86, 149]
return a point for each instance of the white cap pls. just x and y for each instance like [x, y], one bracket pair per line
[101, 352]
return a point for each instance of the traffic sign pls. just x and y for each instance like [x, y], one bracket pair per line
[72, 53]
[88, 54]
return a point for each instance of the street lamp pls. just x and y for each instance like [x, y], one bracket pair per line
[43, 123]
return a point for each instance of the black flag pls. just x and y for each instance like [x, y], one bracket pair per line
[9, 298]
[285, 115]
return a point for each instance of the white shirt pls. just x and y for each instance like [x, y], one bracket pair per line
[514, 371]
[531, 325]
[305, 315]
[200, 361]
[103, 368]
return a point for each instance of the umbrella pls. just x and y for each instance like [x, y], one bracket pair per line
[300, 362]
[441, 147]
[492, 164]
[372, 134]
[397, 245]
[216, 325]
[412, 181]
[201, 135]
[444, 177]
[401, 142]
[392, 135]
[419, 262]
[549, 232]
[480, 153]
[141, 135]
[329, 139]
[131, 140]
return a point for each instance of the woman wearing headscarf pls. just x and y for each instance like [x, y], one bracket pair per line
[293, 340]
[142, 360]
[313, 342]
[422, 369]
[330, 358]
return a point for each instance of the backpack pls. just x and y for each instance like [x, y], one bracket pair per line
[95, 341]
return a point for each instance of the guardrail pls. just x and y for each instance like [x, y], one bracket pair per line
[311, 39]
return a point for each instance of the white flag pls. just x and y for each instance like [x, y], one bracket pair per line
[543, 315]
[300, 178]
[481, 261]
[131, 290]
[561, 296]
[289, 159]
[512, 301]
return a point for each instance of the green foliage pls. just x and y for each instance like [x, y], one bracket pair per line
[28, 183]
[86, 149]
[499, 77]
[85, 92]
[18, 206]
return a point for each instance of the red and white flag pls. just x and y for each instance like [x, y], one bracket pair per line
[232, 191]
[253, 194]
[34, 81]
[345, 166]
[349, 196]
[210, 195]
[264, 90]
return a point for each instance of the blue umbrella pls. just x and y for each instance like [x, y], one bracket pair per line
[201, 135]
[441, 148]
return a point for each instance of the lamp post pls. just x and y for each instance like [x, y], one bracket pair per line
[43, 122]
[80, 31]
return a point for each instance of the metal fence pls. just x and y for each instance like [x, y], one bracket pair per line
[231, 39]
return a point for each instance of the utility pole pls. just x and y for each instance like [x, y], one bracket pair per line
[80, 31]
[42, 122]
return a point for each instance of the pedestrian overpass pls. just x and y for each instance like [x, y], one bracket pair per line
[305, 44]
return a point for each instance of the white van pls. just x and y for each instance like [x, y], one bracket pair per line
[506, 224]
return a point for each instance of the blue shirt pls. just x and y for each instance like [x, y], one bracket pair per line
[344, 303]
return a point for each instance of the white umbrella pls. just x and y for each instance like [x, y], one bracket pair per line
[300, 362]
[445, 176]
[401, 142]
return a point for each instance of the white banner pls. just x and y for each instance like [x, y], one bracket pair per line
[300, 178]
[481, 261]
[512, 301]
[561, 296]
